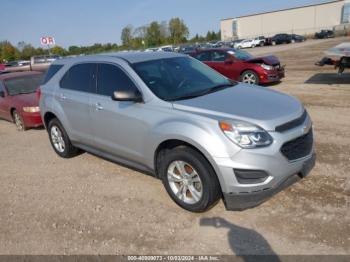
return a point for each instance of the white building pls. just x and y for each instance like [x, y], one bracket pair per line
[301, 20]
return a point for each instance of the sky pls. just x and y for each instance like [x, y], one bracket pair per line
[85, 22]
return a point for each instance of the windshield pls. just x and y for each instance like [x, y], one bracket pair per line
[240, 54]
[23, 85]
[180, 78]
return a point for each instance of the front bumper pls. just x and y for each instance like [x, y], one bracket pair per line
[272, 76]
[250, 176]
[242, 201]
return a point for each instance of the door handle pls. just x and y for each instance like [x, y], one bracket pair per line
[63, 97]
[98, 106]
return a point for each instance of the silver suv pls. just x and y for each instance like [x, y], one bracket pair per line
[203, 135]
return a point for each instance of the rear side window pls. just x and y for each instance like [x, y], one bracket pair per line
[218, 56]
[79, 78]
[53, 69]
[204, 56]
[111, 78]
[23, 84]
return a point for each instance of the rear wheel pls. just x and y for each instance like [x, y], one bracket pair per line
[17, 118]
[274, 43]
[250, 77]
[60, 140]
[189, 179]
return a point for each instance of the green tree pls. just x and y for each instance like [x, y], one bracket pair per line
[27, 51]
[126, 35]
[153, 35]
[74, 50]
[8, 51]
[58, 50]
[178, 30]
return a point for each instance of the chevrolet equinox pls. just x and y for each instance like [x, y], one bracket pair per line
[205, 136]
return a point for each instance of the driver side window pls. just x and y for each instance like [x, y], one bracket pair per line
[111, 78]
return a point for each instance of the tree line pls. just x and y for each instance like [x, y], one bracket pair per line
[172, 32]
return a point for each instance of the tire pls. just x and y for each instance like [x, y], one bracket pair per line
[250, 77]
[60, 141]
[196, 188]
[253, 46]
[274, 43]
[18, 120]
[293, 41]
[261, 44]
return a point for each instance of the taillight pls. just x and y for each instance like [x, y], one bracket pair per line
[38, 92]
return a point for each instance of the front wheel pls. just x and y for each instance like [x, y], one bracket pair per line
[60, 140]
[189, 179]
[250, 77]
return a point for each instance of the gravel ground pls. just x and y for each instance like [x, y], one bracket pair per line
[87, 205]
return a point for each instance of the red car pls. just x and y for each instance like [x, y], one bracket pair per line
[19, 102]
[2, 67]
[241, 66]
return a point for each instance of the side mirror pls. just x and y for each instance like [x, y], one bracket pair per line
[228, 61]
[127, 95]
[2, 94]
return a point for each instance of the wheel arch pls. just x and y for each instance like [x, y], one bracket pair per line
[48, 116]
[12, 109]
[248, 69]
[173, 143]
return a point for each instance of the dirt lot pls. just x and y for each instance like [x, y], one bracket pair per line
[87, 205]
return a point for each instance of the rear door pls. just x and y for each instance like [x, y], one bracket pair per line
[73, 95]
[218, 62]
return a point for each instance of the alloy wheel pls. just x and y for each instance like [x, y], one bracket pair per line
[185, 182]
[249, 78]
[57, 139]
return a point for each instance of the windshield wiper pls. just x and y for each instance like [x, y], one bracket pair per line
[203, 92]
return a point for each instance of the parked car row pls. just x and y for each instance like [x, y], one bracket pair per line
[205, 136]
[36, 63]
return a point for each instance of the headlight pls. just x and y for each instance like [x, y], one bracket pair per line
[31, 109]
[245, 135]
[267, 67]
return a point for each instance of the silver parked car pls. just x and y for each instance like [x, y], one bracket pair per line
[203, 135]
[42, 63]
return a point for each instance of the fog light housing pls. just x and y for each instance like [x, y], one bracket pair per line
[245, 176]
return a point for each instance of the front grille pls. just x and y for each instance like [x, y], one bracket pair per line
[292, 124]
[299, 147]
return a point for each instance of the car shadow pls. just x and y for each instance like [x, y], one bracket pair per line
[329, 79]
[245, 243]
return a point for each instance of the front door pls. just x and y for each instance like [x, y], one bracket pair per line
[118, 126]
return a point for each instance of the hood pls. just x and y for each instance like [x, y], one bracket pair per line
[258, 105]
[26, 99]
[269, 60]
